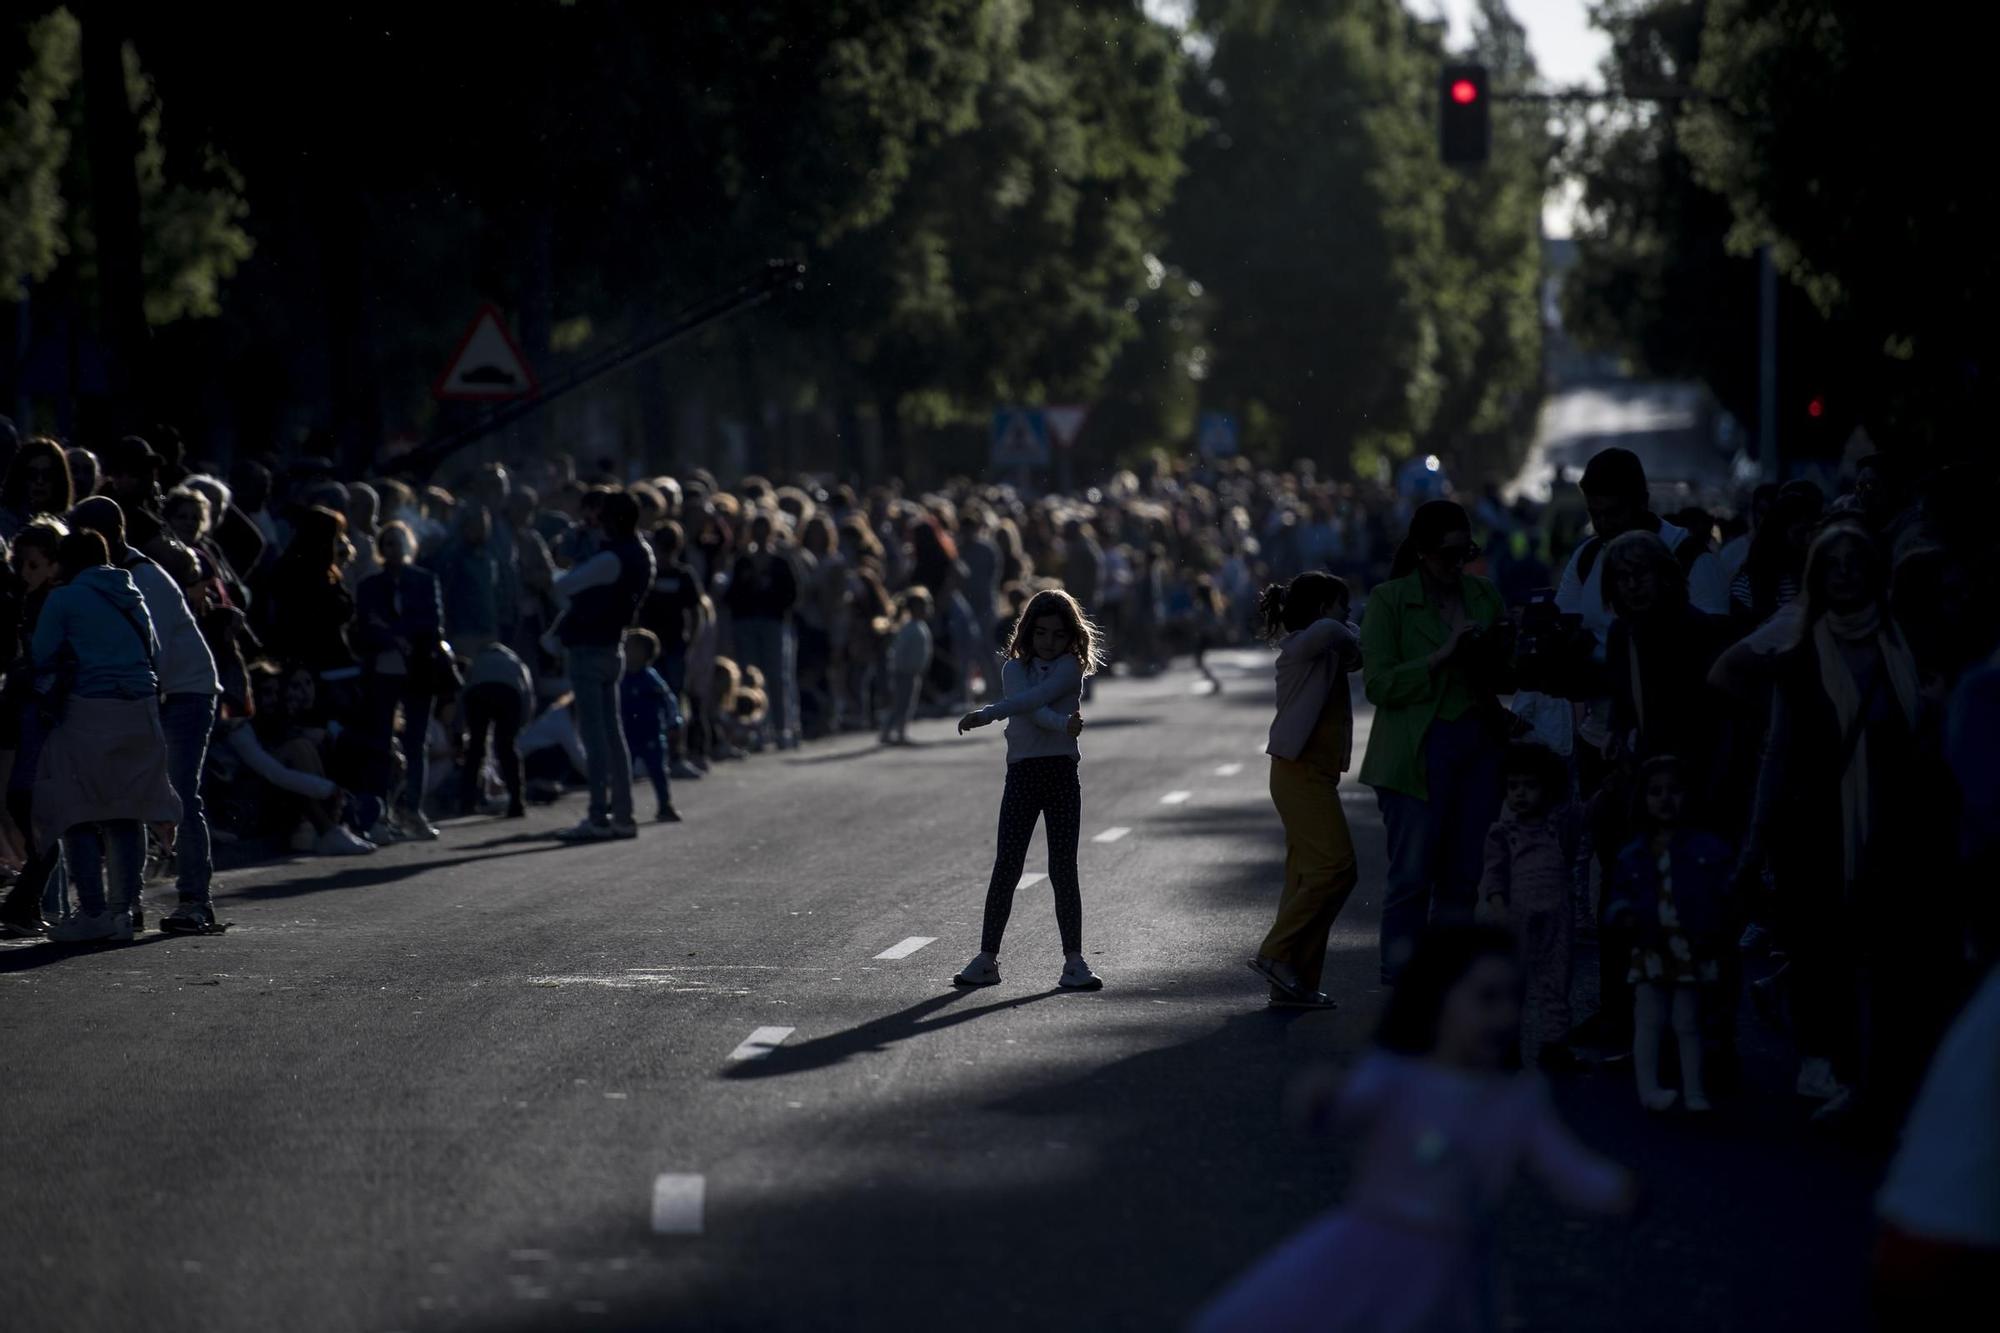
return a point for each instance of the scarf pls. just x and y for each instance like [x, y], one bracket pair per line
[1829, 633]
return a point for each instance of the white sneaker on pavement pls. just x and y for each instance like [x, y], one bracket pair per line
[383, 834]
[88, 927]
[981, 971]
[418, 829]
[1076, 975]
[338, 841]
[586, 831]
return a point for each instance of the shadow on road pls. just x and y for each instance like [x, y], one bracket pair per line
[878, 1034]
[26, 957]
[389, 872]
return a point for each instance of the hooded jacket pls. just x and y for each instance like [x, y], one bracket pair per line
[98, 622]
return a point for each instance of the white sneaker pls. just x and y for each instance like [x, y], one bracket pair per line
[86, 927]
[981, 971]
[1076, 975]
[337, 841]
[383, 835]
[586, 831]
[418, 829]
[1816, 1079]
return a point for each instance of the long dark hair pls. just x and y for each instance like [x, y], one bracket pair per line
[1285, 608]
[1083, 641]
[14, 491]
[1429, 526]
[315, 548]
[1442, 959]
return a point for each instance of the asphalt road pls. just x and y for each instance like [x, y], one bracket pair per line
[1660, 422]
[487, 1083]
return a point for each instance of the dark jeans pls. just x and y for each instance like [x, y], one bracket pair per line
[385, 695]
[1436, 844]
[36, 890]
[593, 679]
[187, 720]
[496, 709]
[653, 759]
[1044, 788]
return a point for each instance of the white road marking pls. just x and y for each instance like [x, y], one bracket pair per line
[907, 947]
[1112, 834]
[1228, 770]
[761, 1042]
[1030, 880]
[677, 1204]
[1175, 797]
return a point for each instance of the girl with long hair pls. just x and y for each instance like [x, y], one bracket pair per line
[1311, 744]
[1053, 650]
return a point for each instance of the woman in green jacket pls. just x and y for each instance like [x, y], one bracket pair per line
[1433, 760]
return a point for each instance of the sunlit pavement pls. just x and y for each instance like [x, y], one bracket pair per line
[717, 1078]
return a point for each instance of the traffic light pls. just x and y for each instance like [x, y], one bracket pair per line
[1465, 122]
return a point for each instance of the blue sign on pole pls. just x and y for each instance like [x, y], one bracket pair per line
[1216, 435]
[1020, 438]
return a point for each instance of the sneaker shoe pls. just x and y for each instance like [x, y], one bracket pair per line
[189, 919]
[666, 814]
[981, 971]
[25, 926]
[137, 911]
[1816, 1079]
[1660, 1099]
[384, 834]
[418, 829]
[339, 841]
[91, 927]
[1319, 999]
[624, 828]
[1076, 975]
[1279, 974]
[682, 771]
[586, 830]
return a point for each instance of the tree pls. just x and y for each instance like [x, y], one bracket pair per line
[34, 144]
[1821, 127]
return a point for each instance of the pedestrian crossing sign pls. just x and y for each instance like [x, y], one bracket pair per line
[1020, 438]
[1216, 435]
[488, 366]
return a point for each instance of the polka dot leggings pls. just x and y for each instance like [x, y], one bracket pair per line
[1045, 787]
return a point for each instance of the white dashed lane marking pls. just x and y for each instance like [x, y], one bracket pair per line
[1175, 797]
[1112, 834]
[1029, 880]
[761, 1042]
[1228, 770]
[907, 947]
[677, 1201]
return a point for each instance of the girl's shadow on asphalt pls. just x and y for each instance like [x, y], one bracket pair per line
[877, 1034]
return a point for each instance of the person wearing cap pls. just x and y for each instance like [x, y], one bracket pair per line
[189, 688]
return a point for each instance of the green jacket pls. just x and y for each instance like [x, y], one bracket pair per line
[1399, 630]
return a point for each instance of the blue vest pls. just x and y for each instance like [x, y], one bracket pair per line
[598, 617]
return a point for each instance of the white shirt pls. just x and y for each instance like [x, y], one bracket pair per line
[1707, 590]
[184, 665]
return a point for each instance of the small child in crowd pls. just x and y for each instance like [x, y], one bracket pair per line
[1530, 871]
[1672, 891]
[649, 711]
[1444, 1128]
[909, 657]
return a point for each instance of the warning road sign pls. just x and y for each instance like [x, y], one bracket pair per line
[488, 365]
[1065, 421]
[1216, 435]
[1020, 438]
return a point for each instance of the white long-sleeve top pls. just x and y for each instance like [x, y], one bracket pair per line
[1036, 699]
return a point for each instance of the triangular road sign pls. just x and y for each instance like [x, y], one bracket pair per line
[487, 365]
[1064, 421]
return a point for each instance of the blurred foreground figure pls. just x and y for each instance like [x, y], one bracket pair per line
[1444, 1126]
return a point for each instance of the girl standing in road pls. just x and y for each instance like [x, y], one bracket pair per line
[1053, 650]
[1312, 741]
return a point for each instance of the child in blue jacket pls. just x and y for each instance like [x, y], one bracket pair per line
[649, 711]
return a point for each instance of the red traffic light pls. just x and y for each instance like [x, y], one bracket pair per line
[1817, 407]
[1464, 92]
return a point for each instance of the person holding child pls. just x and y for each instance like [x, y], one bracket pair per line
[1311, 744]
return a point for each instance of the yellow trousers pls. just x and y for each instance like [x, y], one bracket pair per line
[1320, 869]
